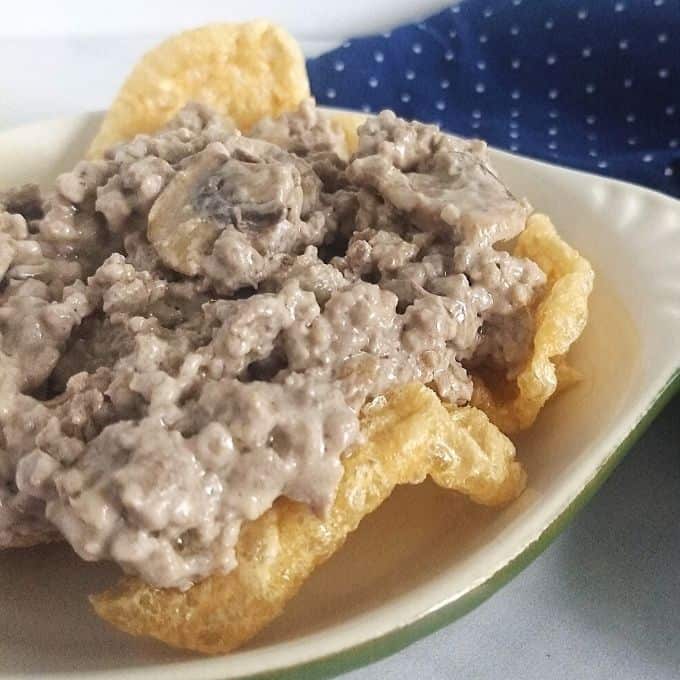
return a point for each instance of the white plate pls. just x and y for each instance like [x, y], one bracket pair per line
[403, 574]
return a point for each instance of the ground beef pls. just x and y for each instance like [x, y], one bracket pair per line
[190, 327]
[304, 132]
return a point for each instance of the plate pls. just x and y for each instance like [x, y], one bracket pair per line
[403, 574]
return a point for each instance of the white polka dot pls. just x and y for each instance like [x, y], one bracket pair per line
[417, 48]
[552, 144]
[623, 44]
[409, 75]
[628, 83]
[591, 136]
[515, 63]
[630, 118]
[481, 64]
[476, 113]
[514, 29]
[373, 81]
[379, 57]
[515, 94]
[347, 43]
[514, 134]
[658, 3]
[455, 9]
[590, 88]
[670, 110]
[330, 93]
[602, 164]
[480, 88]
[668, 171]
[448, 55]
[647, 158]
[513, 124]
[387, 34]
[514, 113]
[619, 7]
[632, 141]
[582, 14]
[516, 3]
[673, 143]
[550, 59]
[592, 153]
[405, 97]
[552, 131]
[366, 108]
[553, 93]
[444, 84]
[453, 34]
[662, 37]
[663, 73]
[339, 66]
[514, 147]
[440, 105]
[483, 37]
[475, 124]
[553, 113]
[549, 24]
[422, 26]
[586, 52]
[487, 12]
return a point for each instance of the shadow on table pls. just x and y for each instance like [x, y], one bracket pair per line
[625, 582]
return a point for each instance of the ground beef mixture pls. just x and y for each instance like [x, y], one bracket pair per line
[190, 326]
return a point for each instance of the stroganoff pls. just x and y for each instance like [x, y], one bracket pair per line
[190, 326]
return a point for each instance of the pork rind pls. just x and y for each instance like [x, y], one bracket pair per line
[349, 121]
[559, 320]
[407, 436]
[243, 71]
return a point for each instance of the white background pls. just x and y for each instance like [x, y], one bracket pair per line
[64, 57]
[603, 602]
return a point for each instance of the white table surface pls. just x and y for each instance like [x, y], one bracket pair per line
[603, 602]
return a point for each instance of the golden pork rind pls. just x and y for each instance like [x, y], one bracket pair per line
[349, 121]
[243, 71]
[559, 320]
[408, 435]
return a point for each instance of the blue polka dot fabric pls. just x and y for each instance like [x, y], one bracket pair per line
[594, 85]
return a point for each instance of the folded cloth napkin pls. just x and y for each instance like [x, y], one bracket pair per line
[591, 84]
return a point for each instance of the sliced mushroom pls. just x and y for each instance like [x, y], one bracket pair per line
[180, 235]
[245, 183]
[243, 192]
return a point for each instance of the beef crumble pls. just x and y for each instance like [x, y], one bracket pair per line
[190, 326]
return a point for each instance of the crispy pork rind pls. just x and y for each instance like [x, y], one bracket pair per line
[407, 436]
[349, 121]
[243, 71]
[559, 320]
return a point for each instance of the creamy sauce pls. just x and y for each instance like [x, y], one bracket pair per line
[190, 327]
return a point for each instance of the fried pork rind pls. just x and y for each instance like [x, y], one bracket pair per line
[349, 121]
[407, 436]
[243, 71]
[559, 320]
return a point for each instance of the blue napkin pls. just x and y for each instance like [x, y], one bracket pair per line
[591, 84]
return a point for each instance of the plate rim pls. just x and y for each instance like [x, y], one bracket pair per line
[405, 633]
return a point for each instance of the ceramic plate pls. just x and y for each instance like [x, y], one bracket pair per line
[403, 574]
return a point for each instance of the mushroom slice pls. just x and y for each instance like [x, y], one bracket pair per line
[178, 233]
[247, 183]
